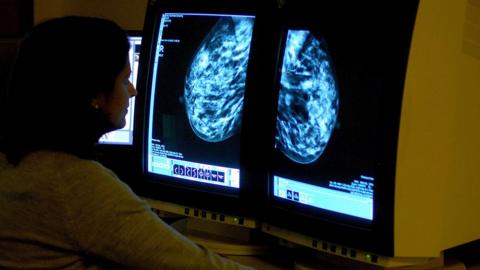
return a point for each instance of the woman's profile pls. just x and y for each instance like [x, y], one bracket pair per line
[60, 209]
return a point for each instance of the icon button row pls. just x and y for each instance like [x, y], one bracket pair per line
[293, 195]
[203, 174]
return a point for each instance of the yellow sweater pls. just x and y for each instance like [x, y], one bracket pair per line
[61, 212]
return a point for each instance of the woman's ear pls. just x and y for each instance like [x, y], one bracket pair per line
[98, 101]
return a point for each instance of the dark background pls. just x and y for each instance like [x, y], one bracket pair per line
[16, 17]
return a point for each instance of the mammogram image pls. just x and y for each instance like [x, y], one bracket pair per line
[308, 99]
[215, 81]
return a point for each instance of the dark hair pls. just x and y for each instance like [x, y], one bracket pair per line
[62, 64]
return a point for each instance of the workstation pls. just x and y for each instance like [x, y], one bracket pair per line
[298, 135]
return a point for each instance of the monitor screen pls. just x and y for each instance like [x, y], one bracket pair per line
[124, 136]
[195, 98]
[324, 152]
[339, 87]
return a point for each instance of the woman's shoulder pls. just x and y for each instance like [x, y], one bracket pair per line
[4, 164]
[66, 166]
[62, 173]
[3, 161]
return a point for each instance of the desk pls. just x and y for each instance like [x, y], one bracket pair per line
[270, 262]
[270, 255]
[285, 261]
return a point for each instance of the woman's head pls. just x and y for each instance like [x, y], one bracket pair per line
[67, 74]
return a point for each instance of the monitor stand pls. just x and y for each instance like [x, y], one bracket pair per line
[221, 233]
[324, 261]
[221, 238]
[318, 253]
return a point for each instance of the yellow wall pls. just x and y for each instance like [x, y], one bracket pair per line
[438, 175]
[129, 14]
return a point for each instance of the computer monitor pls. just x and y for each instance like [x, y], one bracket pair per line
[197, 96]
[325, 137]
[124, 136]
[374, 147]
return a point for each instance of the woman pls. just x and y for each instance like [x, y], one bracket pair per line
[59, 209]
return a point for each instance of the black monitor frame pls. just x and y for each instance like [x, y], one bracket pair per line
[163, 188]
[378, 37]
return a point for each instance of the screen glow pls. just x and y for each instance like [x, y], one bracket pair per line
[354, 200]
[195, 109]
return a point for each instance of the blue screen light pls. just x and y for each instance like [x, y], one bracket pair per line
[356, 201]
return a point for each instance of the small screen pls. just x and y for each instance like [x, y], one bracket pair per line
[125, 135]
[196, 97]
[324, 154]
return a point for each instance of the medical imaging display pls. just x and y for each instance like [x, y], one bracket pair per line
[215, 82]
[308, 100]
[196, 97]
[324, 151]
